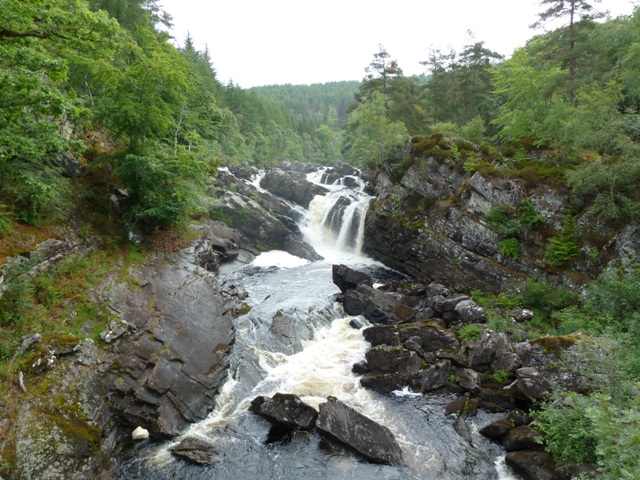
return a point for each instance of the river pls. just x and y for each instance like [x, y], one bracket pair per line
[296, 339]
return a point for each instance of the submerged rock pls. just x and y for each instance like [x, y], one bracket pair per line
[196, 450]
[342, 424]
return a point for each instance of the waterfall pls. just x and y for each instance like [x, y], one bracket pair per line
[335, 222]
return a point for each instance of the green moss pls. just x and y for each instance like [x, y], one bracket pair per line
[557, 344]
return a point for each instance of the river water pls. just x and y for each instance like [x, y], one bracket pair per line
[296, 339]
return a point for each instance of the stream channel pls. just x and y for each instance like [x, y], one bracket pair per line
[296, 339]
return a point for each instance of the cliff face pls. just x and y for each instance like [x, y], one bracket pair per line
[432, 224]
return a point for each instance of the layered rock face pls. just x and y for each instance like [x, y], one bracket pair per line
[431, 225]
[172, 363]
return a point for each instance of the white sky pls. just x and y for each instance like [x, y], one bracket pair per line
[264, 42]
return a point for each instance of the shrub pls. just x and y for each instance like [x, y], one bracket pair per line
[546, 298]
[501, 220]
[569, 433]
[498, 323]
[529, 215]
[37, 194]
[563, 247]
[470, 332]
[510, 248]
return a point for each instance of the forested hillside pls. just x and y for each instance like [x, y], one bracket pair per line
[317, 104]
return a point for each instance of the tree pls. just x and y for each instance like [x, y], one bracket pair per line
[574, 11]
[34, 99]
[372, 136]
[380, 72]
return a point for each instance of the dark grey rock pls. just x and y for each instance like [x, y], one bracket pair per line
[291, 186]
[432, 377]
[532, 384]
[346, 278]
[285, 410]
[532, 465]
[196, 450]
[521, 438]
[498, 429]
[342, 424]
[381, 308]
[468, 379]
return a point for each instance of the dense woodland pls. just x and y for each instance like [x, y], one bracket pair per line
[102, 82]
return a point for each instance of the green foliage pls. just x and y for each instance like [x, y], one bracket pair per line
[498, 323]
[470, 332]
[614, 297]
[547, 299]
[162, 187]
[373, 137]
[16, 301]
[474, 130]
[529, 215]
[38, 194]
[447, 129]
[563, 247]
[501, 220]
[611, 186]
[569, 433]
[510, 248]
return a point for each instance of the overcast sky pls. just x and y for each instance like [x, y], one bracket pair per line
[265, 42]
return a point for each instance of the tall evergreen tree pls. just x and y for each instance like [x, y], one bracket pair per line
[573, 12]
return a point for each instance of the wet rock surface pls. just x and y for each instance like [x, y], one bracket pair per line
[196, 450]
[168, 370]
[285, 410]
[340, 423]
[292, 186]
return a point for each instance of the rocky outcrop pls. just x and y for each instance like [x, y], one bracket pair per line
[342, 424]
[170, 367]
[430, 224]
[261, 229]
[291, 186]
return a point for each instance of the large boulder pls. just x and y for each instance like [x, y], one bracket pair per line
[341, 424]
[432, 377]
[521, 438]
[493, 351]
[346, 278]
[291, 186]
[532, 464]
[532, 384]
[285, 410]
[382, 308]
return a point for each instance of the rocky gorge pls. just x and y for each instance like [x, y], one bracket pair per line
[164, 358]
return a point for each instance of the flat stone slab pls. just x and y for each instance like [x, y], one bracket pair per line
[341, 424]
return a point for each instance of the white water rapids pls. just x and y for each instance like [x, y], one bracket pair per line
[297, 340]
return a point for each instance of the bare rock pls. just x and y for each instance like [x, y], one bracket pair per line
[343, 425]
[196, 450]
[521, 438]
[346, 278]
[285, 410]
[532, 464]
